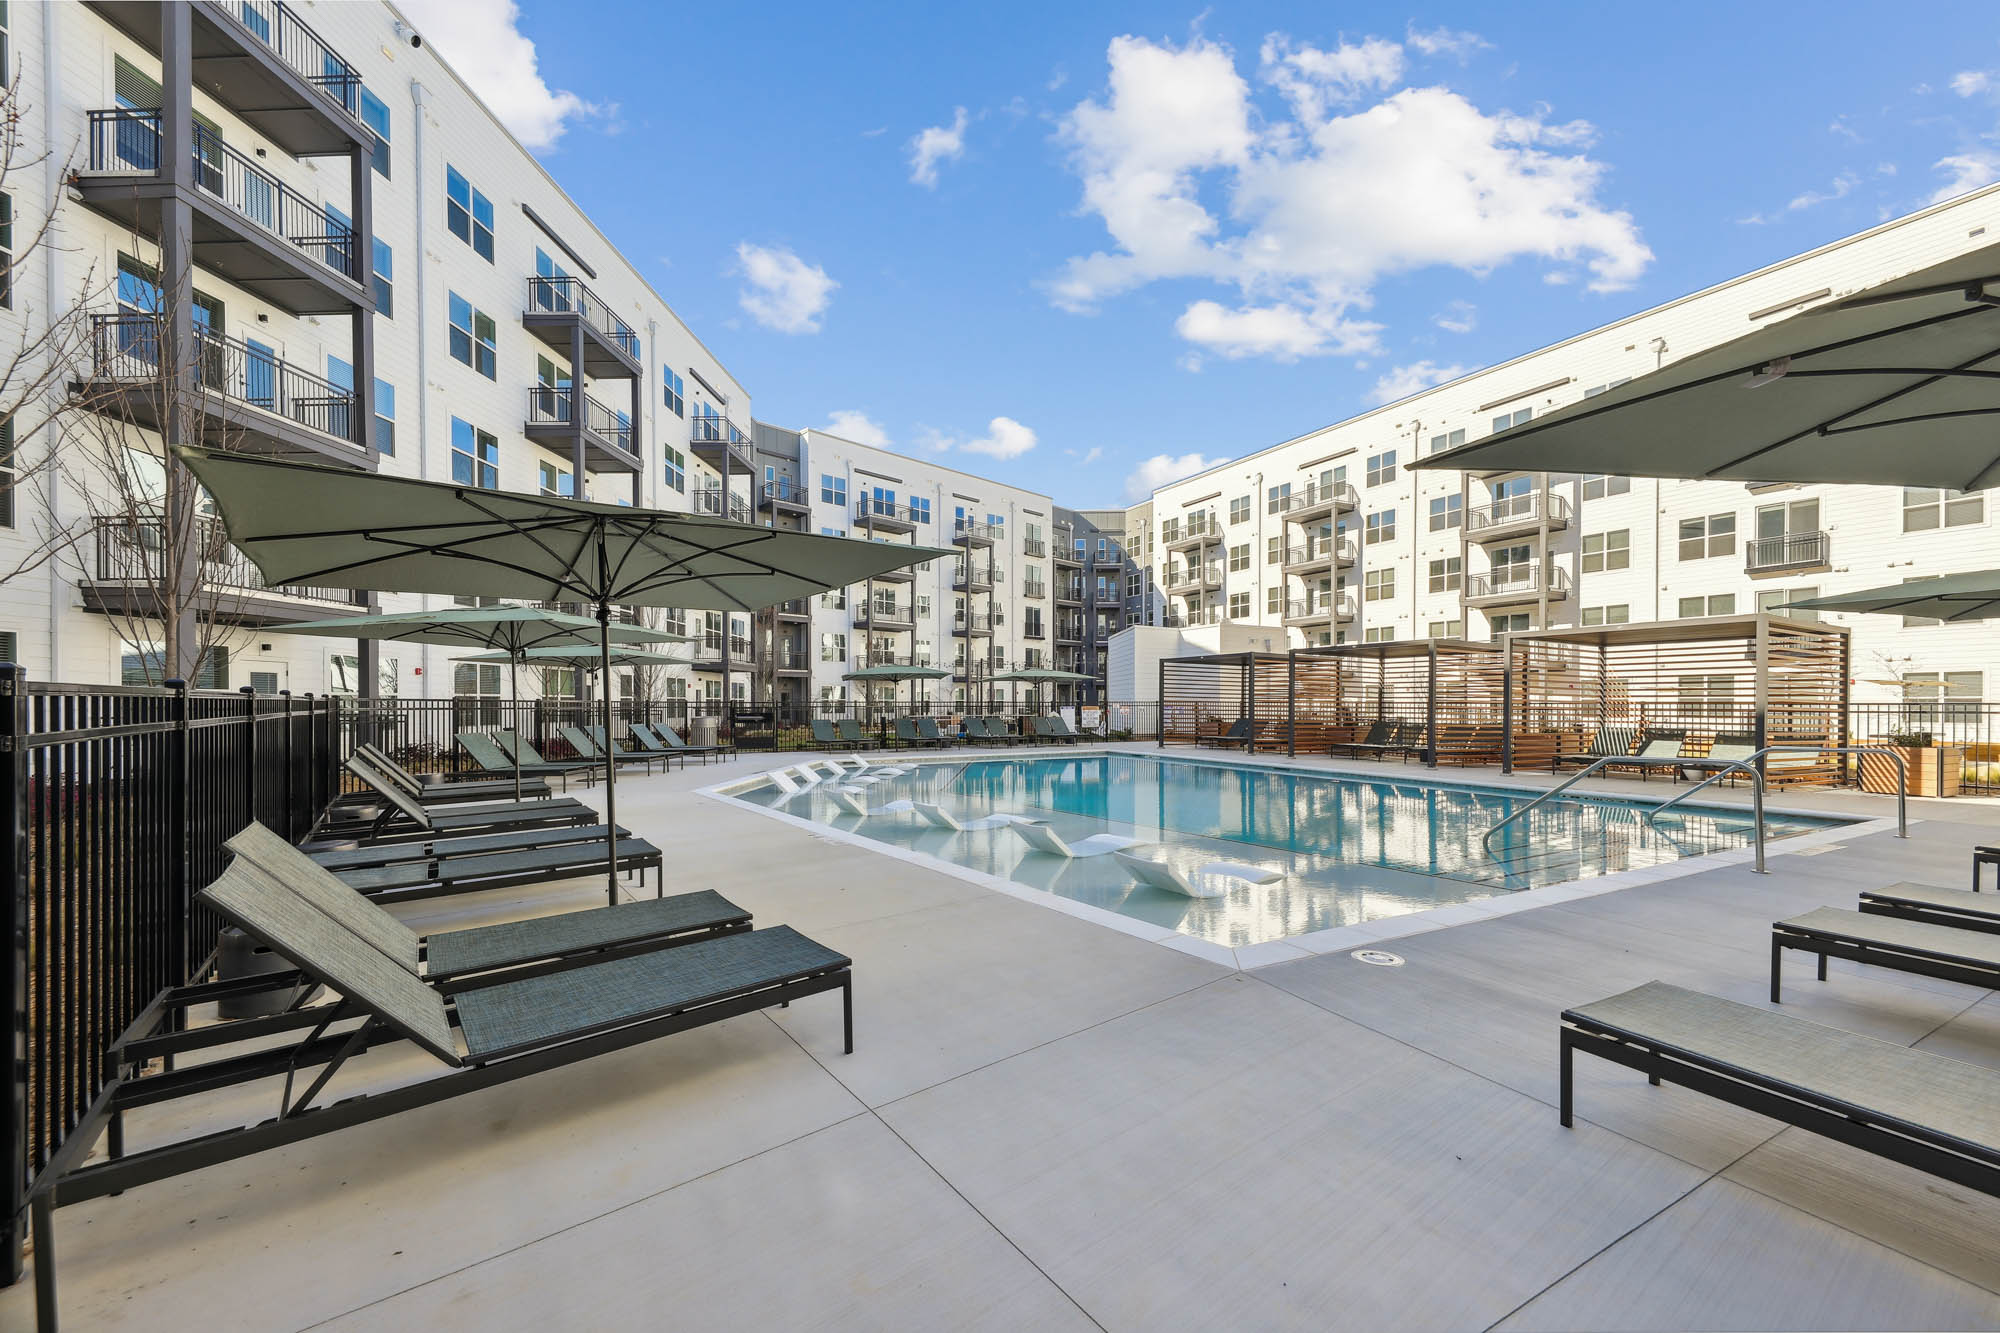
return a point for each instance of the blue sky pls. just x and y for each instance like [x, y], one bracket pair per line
[1158, 237]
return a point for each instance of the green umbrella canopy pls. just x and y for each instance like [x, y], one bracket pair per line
[894, 673]
[509, 629]
[1896, 385]
[587, 658]
[1042, 676]
[354, 529]
[1974, 596]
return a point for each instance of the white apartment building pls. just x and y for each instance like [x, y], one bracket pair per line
[1331, 536]
[378, 275]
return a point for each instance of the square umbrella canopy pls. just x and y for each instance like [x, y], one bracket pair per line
[1974, 596]
[299, 523]
[1896, 385]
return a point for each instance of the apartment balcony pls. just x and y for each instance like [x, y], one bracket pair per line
[1038, 591]
[1790, 553]
[262, 61]
[905, 574]
[796, 609]
[972, 580]
[1183, 619]
[884, 516]
[130, 572]
[1065, 554]
[1069, 592]
[792, 659]
[782, 493]
[1192, 532]
[1516, 516]
[892, 616]
[620, 615]
[972, 624]
[1320, 609]
[250, 401]
[706, 654]
[1320, 502]
[1069, 631]
[710, 500]
[1515, 584]
[575, 322]
[1192, 578]
[968, 532]
[1316, 556]
[249, 228]
[1033, 629]
[1034, 548]
[608, 444]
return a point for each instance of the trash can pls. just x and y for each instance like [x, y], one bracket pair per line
[703, 730]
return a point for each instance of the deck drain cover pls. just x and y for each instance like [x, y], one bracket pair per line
[1377, 957]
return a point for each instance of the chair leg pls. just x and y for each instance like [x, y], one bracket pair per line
[847, 1010]
[41, 1220]
[1567, 1080]
[1777, 959]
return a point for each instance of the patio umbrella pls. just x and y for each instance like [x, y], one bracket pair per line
[1896, 385]
[1039, 676]
[299, 523]
[513, 630]
[1974, 596]
[890, 674]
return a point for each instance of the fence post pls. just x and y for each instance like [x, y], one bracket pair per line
[179, 835]
[14, 797]
[292, 829]
[250, 753]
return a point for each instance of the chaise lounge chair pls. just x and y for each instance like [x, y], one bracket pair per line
[1606, 743]
[402, 819]
[1927, 948]
[1924, 1110]
[1658, 748]
[431, 787]
[908, 735]
[1238, 734]
[823, 734]
[939, 817]
[590, 744]
[1971, 910]
[851, 735]
[671, 739]
[486, 752]
[1213, 880]
[1053, 730]
[1038, 835]
[1379, 740]
[855, 803]
[927, 728]
[483, 1037]
[362, 809]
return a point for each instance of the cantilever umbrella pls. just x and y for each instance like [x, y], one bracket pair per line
[1974, 596]
[892, 673]
[512, 630]
[303, 524]
[1894, 385]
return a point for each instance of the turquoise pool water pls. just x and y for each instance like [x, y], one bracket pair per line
[1348, 849]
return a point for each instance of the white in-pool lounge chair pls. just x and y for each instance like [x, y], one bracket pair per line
[1038, 835]
[939, 817]
[781, 778]
[862, 765]
[1211, 881]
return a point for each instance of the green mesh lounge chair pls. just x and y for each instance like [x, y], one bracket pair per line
[433, 788]
[486, 751]
[1000, 729]
[927, 728]
[480, 1037]
[590, 745]
[1925, 948]
[1604, 743]
[1966, 909]
[850, 733]
[907, 733]
[1379, 740]
[1053, 730]
[671, 739]
[824, 736]
[402, 819]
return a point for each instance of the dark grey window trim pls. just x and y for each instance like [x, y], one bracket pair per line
[559, 242]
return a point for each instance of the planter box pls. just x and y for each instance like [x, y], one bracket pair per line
[1932, 771]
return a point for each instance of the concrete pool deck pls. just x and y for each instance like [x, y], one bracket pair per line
[1047, 1123]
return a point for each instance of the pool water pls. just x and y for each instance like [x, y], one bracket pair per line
[1348, 849]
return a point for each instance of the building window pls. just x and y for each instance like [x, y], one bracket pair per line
[1239, 606]
[7, 476]
[1701, 538]
[1380, 528]
[555, 481]
[385, 417]
[1594, 390]
[1382, 468]
[1707, 696]
[1439, 443]
[472, 336]
[1378, 585]
[1239, 509]
[1447, 511]
[1509, 624]
[1620, 614]
[1947, 696]
[1446, 574]
[1606, 551]
[384, 279]
[1508, 420]
[832, 490]
[1598, 486]
[468, 213]
[1773, 602]
[1239, 558]
[676, 392]
[677, 476]
[1274, 601]
[375, 115]
[1926, 509]
[6, 250]
[1276, 499]
[475, 456]
[1716, 604]
[1447, 629]
[920, 509]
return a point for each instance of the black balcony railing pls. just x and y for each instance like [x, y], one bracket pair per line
[125, 351]
[784, 490]
[126, 141]
[278, 25]
[1521, 581]
[1340, 495]
[869, 509]
[1034, 547]
[977, 624]
[708, 428]
[1791, 550]
[966, 529]
[568, 296]
[795, 608]
[710, 500]
[138, 550]
[550, 406]
[1529, 507]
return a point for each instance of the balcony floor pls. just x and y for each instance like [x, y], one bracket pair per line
[1050, 1124]
[226, 423]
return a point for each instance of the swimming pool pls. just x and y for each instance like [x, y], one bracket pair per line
[1344, 850]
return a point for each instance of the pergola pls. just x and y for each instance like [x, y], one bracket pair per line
[1450, 688]
[1770, 679]
[1201, 697]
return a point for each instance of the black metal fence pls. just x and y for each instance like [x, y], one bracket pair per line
[118, 801]
[1974, 727]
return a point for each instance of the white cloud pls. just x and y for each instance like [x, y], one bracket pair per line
[934, 145]
[1402, 381]
[1972, 82]
[1157, 471]
[857, 426]
[1004, 438]
[1977, 162]
[1442, 41]
[784, 292]
[1302, 215]
[1841, 186]
[1095, 452]
[483, 41]
[1458, 317]
[1967, 171]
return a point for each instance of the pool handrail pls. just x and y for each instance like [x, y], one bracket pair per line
[1486, 842]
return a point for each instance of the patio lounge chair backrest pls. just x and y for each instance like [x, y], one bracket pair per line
[585, 746]
[1239, 730]
[975, 728]
[927, 727]
[1381, 733]
[485, 752]
[334, 956]
[1729, 745]
[407, 780]
[643, 734]
[849, 730]
[1059, 728]
[1663, 745]
[292, 870]
[906, 730]
[388, 790]
[1612, 741]
[823, 732]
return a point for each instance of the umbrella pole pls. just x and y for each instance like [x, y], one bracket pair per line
[610, 764]
[514, 683]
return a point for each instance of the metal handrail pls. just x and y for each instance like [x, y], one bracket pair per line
[1757, 798]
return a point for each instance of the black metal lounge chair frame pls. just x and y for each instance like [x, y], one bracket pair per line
[1886, 902]
[429, 793]
[1825, 944]
[1237, 734]
[1885, 1136]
